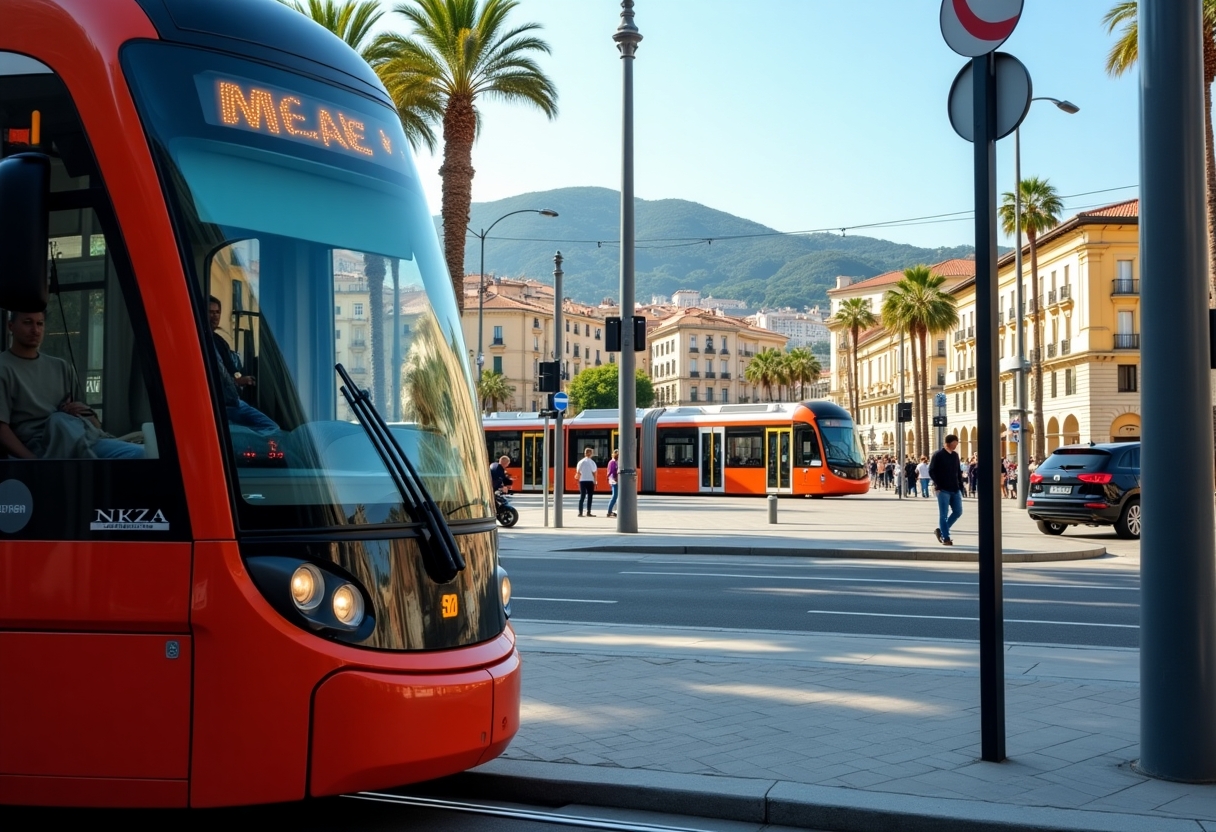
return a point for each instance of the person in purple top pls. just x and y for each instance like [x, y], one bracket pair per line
[613, 467]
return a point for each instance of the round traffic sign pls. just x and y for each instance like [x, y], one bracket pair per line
[1015, 425]
[1013, 93]
[976, 27]
[560, 401]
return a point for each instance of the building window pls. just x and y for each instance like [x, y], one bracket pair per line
[498, 364]
[692, 365]
[597, 333]
[709, 394]
[941, 376]
[498, 335]
[358, 310]
[1004, 391]
[693, 394]
[709, 343]
[337, 311]
[405, 329]
[1127, 378]
[611, 358]
[597, 355]
[1070, 384]
[567, 326]
[725, 392]
[1053, 384]
[576, 328]
[567, 348]
[973, 400]
[338, 335]
[576, 351]
[536, 323]
[535, 344]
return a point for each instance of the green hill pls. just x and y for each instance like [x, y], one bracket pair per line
[680, 245]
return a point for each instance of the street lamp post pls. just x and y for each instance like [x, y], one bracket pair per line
[1023, 453]
[481, 277]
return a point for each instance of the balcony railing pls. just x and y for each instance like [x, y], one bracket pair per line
[358, 343]
[1051, 298]
[725, 376]
[958, 336]
[1065, 292]
[1124, 341]
[1125, 287]
[1051, 350]
[693, 349]
[1065, 346]
[1000, 318]
[497, 342]
[970, 372]
[970, 333]
[1012, 317]
[1033, 355]
[750, 353]
[694, 373]
[959, 375]
[709, 374]
[724, 351]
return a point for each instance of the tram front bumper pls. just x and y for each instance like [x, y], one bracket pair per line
[375, 730]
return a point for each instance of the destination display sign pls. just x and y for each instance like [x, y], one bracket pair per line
[254, 107]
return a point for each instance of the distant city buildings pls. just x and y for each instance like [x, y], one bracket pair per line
[803, 329]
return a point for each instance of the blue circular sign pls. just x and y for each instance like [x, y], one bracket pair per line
[560, 401]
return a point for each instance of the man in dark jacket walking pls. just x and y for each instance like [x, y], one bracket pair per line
[946, 473]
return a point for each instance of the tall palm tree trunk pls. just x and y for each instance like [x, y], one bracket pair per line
[922, 336]
[1036, 324]
[459, 129]
[856, 376]
[916, 441]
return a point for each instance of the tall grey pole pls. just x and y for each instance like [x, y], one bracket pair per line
[987, 378]
[481, 305]
[899, 426]
[559, 435]
[627, 39]
[1019, 375]
[544, 469]
[1178, 577]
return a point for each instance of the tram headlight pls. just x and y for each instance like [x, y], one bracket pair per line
[307, 587]
[348, 605]
[504, 588]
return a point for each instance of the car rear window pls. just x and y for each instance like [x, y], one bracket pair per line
[1079, 460]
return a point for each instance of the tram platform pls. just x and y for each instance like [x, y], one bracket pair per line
[817, 730]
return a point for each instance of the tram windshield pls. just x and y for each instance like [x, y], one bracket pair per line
[840, 443]
[308, 234]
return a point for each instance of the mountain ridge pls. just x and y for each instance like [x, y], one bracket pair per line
[680, 244]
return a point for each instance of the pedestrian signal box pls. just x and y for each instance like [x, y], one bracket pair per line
[549, 377]
[612, 334]
[939, 421]
[904, 410]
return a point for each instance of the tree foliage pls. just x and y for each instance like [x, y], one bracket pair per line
[599, 387]
[493, 390]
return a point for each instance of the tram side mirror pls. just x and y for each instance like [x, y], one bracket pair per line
[25, 187]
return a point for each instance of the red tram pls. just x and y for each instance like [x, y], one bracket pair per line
[244, 579]
[783, 448]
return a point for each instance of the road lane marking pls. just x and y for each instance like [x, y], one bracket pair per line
[877, 580]
[563, 600]
[968, 618]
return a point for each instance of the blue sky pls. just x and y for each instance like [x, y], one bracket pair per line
[804, 114]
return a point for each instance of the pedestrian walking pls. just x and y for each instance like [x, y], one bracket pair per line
[945, 471]
[613, 468]
[586, 469]
[922, 473]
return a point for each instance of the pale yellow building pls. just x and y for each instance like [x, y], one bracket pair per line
[700, 355]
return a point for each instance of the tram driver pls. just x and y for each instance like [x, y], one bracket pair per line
[42, 409]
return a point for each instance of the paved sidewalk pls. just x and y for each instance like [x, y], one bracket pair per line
[823, 730]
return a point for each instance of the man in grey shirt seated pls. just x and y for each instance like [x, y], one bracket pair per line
[42, 414]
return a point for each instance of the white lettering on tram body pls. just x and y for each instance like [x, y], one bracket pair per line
[13, 509]
[129, 519]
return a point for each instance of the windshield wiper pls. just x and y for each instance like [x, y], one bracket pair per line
[440, 555]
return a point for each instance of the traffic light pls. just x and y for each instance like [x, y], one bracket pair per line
[904, 412]
[548, 377]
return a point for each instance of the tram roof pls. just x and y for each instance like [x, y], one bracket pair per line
[725, 413]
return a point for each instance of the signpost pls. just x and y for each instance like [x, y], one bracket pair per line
[561, 401]
[974, 29]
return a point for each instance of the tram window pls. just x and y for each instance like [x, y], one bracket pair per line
[806, 449]
[505, 443]
[677, 447]
[600, 441]
[744, 448]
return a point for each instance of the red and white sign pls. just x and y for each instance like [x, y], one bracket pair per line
[976, 27]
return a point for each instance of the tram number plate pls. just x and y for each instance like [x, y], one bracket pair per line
[1059, 489]
[451, 607]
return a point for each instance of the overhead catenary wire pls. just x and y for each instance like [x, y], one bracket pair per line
[908, 222]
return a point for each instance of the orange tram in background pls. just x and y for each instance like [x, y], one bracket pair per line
[809, 449]
[248, 578]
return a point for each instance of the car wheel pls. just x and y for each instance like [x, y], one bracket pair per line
[1128, 525]
[1048, 527]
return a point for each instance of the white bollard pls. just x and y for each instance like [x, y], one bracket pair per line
[772, 509]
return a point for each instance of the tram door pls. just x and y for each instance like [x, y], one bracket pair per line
[712, 444]
[533, 461]
[777, 458]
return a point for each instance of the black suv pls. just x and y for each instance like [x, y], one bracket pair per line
[1098, 485]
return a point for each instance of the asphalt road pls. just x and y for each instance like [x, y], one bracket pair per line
[1073, 604]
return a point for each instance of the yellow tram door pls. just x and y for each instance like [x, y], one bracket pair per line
[711, 461]
[777, 458]
[533, 460]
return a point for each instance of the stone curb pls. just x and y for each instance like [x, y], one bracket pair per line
[955, 554]
[825, 808]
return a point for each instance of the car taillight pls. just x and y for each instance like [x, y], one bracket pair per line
[1036, 478]
[1095, 505]
[1100, 479]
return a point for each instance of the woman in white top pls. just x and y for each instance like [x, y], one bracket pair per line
[586, 469]
[922, 473]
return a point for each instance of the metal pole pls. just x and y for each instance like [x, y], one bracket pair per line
[1019, 374]
[544, 475]
[987, 378]
[1178, 595]
[481, 302]
[899, 426]
[559, 438]
[627, 39]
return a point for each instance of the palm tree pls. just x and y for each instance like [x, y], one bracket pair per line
[762, 370]
[1041, 208]
[352, 21]
[898, 317]
[461, 51]
[1123, 56]
[803, 368]
[493, 389]
[924, 308]
[856, 316]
